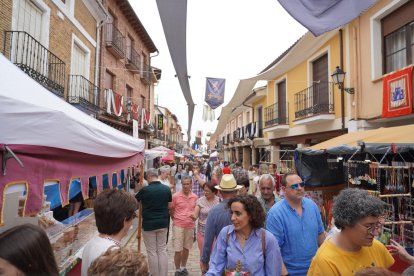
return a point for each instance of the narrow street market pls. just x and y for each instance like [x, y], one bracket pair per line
[296, 156]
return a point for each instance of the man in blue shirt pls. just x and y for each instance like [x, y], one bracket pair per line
[297, 225]
[218, 217]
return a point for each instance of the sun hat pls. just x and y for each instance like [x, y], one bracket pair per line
[228, 183]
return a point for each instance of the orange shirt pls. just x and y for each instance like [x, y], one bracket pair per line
[182, 207]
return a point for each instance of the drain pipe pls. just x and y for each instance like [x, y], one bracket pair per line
[341, 64]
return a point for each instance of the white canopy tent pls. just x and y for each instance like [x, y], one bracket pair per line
[32, 115]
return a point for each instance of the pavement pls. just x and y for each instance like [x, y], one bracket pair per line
[193, 263]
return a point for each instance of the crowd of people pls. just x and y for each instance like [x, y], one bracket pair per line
[245, 222]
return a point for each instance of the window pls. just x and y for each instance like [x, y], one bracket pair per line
[29, 19]
[239, 121]
[248, 117]
[128, 92]
[109, 80]
[79, 61]
[398, 33]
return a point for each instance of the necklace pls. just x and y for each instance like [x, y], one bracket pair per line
[117, 243]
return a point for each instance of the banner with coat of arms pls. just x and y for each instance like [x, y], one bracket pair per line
[215, 92]
[398, 93]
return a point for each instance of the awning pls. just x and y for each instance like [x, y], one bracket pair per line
[376, 141]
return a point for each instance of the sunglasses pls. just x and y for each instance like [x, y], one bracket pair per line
[296, 186]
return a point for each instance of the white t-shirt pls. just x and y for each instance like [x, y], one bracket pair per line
[93, 249]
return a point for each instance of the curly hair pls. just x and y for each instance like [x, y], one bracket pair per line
[119, 261]
[253, 209]
[352, 205]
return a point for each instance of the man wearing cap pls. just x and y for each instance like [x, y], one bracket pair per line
[218, 217]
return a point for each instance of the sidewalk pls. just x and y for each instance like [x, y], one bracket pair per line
[193, 263]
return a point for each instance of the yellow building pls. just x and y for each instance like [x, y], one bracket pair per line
[380, 45]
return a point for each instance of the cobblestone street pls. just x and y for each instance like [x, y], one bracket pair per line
[193, 263]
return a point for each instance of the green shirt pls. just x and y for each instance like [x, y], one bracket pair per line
[154, 198]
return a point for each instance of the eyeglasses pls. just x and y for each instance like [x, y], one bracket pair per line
[372, 228]
[296, 186]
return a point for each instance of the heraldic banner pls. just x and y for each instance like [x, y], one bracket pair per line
[215, 92]
[398, 93]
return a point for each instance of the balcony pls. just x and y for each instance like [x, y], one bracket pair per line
[35, 60]
[133, 60]
[276, 114]
[115, 41]
[146, 73]
[84, 93]
[315, 101]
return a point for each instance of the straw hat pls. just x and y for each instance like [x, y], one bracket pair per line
[228, 183]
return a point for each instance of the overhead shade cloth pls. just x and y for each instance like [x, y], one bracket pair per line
[376, 141]
[173, 14]
[54, 140]
[320, 16]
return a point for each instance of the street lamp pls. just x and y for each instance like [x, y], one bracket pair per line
[338, 78]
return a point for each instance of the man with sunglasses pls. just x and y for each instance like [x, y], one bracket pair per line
[358, 215]
[296, 223]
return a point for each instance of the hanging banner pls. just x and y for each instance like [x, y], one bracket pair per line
[398, 91]
[215, 92]
[160, 120]
[135, 128]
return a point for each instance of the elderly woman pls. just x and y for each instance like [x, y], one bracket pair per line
[246, 234]
[358, 216]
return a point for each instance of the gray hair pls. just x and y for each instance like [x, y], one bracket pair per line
[352, 205]
[267, 176]
[152, 172]
[185, 177]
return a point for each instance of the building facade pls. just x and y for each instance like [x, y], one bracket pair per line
[126, 76]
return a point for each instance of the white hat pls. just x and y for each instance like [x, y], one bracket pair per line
[228, 183]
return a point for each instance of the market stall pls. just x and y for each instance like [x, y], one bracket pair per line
[380, 161]
[47, 143]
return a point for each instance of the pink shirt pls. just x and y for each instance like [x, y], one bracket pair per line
[182, 208]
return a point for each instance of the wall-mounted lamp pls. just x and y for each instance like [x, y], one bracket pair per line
[338, 78]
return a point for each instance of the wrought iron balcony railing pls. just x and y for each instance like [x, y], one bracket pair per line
[276, 114]
[35, 60]
[83, 92]
[146, 73]
[133, 60]
[314, 100]
[115, 41]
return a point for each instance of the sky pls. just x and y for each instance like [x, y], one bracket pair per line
[230, 39]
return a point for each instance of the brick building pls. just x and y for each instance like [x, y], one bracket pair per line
[55, 42]
[126, 77]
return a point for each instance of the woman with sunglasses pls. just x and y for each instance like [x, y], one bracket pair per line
[296, 223]
[358, 215]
